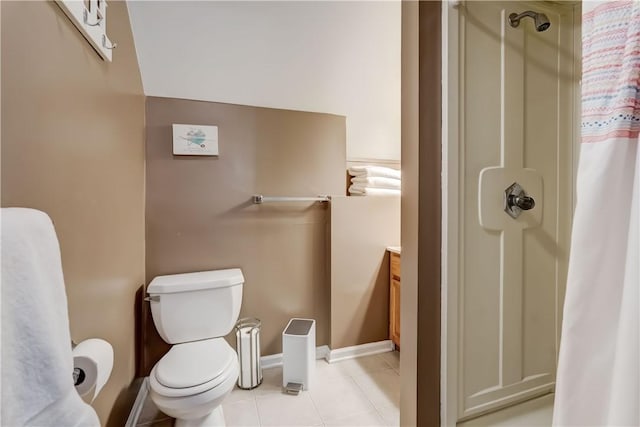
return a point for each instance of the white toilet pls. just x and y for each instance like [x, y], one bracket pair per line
[194, 311]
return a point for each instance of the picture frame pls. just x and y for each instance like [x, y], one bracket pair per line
[195, 140]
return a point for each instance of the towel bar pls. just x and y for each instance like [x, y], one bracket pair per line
[259, 199]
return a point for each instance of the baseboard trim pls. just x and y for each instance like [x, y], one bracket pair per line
[331, 356]
[359, 350]
[136, 409]
[322, 352]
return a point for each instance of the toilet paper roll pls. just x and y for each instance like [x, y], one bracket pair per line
[95, 357]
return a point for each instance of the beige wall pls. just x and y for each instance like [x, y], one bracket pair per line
[361, 230]
[329, 56]
[199, 215]
[73, 146]
[421, 213]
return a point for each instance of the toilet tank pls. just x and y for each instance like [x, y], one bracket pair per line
[196, 306]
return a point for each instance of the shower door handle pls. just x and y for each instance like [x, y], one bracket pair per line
[516, 200]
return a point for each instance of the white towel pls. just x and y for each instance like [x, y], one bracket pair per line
[381, 171]
[37, 365]
[359, 191]
[377, 182]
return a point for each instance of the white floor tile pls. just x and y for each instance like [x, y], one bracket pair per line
[381, 387]
[287, 410]
[271, 382]
[326, 371]
[339, 398]
[238, 394]
[390, 414]
[365, 419]
[356, 392]
[392, 358]
[361, 365]
[241, 413]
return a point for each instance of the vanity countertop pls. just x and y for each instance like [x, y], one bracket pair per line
[394, 249]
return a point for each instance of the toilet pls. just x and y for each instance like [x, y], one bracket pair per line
[193, 312]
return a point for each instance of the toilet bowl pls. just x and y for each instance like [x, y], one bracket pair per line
[194, 311]
[192, 380]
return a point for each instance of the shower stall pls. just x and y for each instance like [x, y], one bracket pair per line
[511, 113]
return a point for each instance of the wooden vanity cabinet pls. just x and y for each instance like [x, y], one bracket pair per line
[394, 298]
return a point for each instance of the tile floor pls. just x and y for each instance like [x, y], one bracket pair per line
[356, 392]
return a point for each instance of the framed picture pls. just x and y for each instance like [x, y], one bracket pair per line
[195, 140]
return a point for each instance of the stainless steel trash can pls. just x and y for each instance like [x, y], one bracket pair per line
[248, 348]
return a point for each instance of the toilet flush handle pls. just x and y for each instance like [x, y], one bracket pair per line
[153, 298]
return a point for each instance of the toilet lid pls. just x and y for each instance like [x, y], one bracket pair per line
[191, 364]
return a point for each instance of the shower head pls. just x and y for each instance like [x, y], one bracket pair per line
[541, 21]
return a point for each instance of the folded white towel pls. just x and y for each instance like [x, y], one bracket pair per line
[377, 182]
[365, 171]
[37, 365]
[358, 191]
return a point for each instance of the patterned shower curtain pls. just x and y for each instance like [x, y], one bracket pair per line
[598, 381]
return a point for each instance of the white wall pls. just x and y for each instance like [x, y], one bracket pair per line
[322, 56]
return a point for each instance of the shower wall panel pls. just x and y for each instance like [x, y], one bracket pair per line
[516, 125]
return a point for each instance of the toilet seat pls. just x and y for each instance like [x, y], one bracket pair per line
[193, 368]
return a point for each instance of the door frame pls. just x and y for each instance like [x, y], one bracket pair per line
[450, 214]
[451, 193]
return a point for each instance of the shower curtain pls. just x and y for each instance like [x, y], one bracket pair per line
[598, 380]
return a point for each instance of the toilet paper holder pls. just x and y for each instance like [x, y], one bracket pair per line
[78, 374]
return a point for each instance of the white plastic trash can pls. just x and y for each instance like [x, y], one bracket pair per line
[298, 355]
[248, 348]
